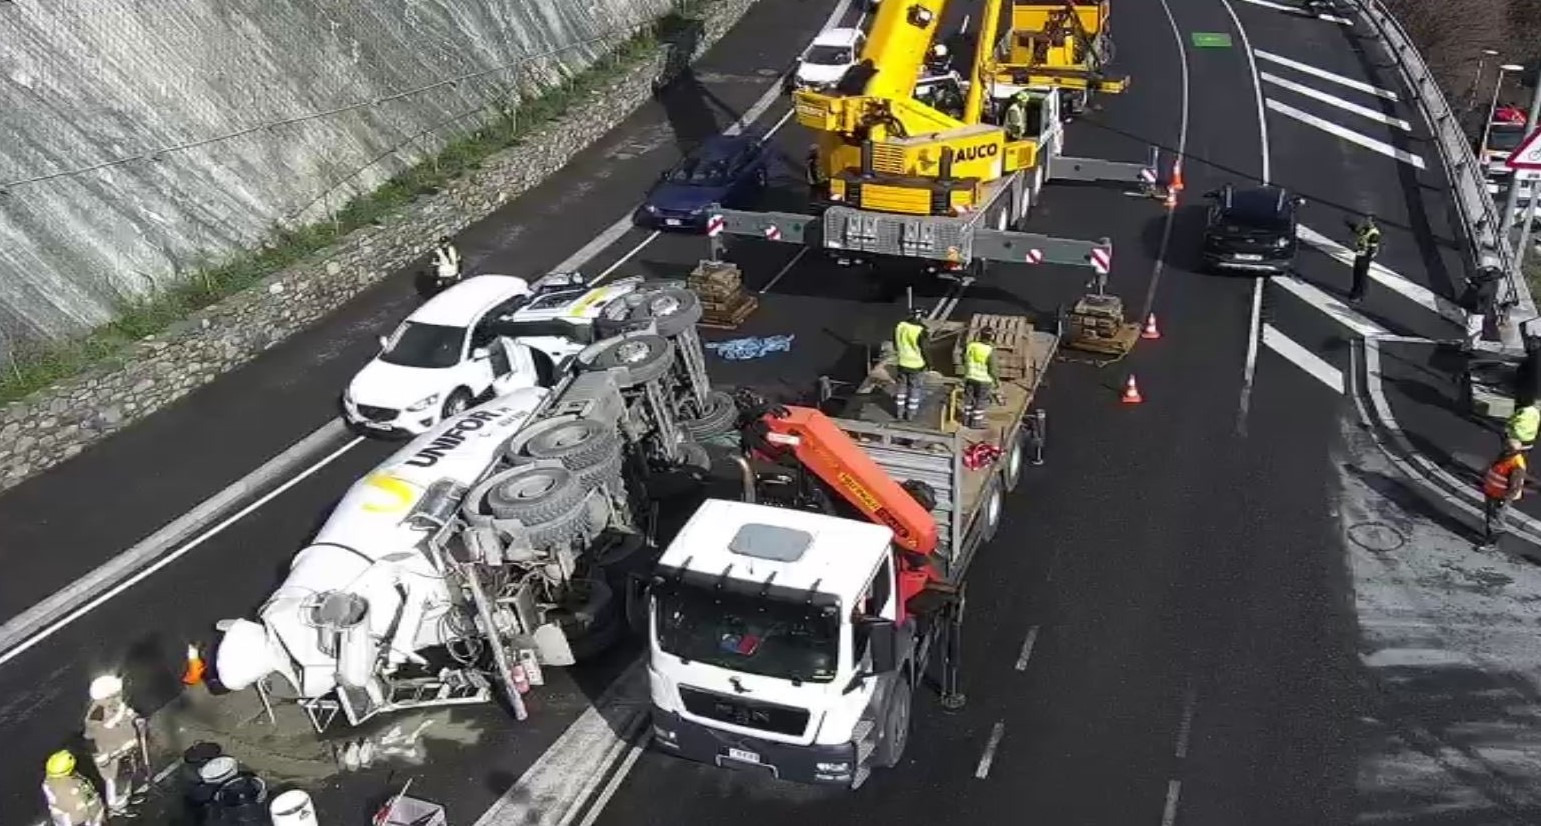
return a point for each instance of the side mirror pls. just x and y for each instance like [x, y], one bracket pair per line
[883, 637]
[384, 342]
[480, 353]
[1299, 201]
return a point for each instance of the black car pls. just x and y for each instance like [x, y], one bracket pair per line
[1252, 230]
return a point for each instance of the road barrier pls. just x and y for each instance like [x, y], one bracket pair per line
[1485, 233]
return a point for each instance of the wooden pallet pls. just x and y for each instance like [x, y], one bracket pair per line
[729, 319]
[1013, 344]
[1097, 325]
[716, 279]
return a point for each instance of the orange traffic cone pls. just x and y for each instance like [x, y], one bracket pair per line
[1131, 392]
[1175, 185]
[1150, 331]
[193, 674]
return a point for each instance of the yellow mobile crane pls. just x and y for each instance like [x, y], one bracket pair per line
[910, 180]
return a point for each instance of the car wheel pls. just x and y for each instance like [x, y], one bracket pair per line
[456, 404]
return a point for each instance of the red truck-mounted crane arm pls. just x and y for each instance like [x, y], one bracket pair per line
[823, 448]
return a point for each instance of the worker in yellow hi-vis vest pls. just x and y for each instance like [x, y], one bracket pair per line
[978, 378]
[1522, 426]
[910, 339]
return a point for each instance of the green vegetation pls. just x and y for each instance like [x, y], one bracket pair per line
[33, 368]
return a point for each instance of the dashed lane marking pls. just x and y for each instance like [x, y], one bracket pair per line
[1334, 308]
[1326, 75]
[983, 769]
[1331, 18]
[1346, 134]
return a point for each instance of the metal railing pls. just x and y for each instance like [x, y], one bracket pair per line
[1486, 232]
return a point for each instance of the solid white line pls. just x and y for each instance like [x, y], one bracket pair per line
[653, 236]
[1249, 367]
[616, 780]
[1185, 726]
[1334, 100]
[1335, 309]
[1346, 134]
[1302, 358]
[1326, 75]
[1169, 811]
[785, 270]
[1027, 648]
[1298, 11]
[1159, 266]
[174, 555]
[1419, 294]
[988, 757]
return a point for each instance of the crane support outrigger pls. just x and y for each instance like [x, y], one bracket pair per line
[907, 179]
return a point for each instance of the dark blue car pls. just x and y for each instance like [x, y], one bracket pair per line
[726, 170]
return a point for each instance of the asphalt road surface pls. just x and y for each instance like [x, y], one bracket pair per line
[1179, 566]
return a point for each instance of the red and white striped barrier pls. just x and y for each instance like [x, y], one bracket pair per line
[772, 234]
[1102, 260]
[1034, 256]
[714, 226]
[1148, 176]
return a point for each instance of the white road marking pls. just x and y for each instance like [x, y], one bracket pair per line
[1169, 811]
[1303, 358]
[1334, 308]
[1417, 293]
[996, 733]
[1326, 75]
[55, 627]
[652, 236]
[1331, 18]
[1027, 648]
[616, 780]
[785, 270]
[1249, 367]
[1334, 100]
[1346, 134]
[1159, 266]
[1185, 726]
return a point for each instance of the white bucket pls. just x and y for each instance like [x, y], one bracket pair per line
[293, 808]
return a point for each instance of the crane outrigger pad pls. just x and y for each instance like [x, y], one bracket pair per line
[942, 238]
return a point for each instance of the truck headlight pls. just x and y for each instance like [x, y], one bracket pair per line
[832, 767]
[651, 210]
[665, 735]
[1282, 243]
[422, 404]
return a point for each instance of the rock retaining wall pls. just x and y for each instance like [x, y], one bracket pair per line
[59, 422]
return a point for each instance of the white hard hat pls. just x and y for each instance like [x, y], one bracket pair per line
[939, 50]
[106, 686]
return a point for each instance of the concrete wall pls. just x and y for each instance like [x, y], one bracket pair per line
[239, 98]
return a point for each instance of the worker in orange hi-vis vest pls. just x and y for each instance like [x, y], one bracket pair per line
[1502, 485]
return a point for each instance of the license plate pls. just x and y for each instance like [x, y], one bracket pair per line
[1249, 257]
[672, 222]
[745, 756]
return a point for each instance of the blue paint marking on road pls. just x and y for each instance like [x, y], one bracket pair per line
[752, 347]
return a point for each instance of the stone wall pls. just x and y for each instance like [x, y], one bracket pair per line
[57, 423]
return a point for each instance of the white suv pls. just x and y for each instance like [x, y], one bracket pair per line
[828, 57]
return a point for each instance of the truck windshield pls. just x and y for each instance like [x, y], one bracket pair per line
[769, 637]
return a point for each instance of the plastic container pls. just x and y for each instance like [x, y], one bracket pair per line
[293, 808]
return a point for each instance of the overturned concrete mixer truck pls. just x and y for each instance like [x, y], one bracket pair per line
[497, 543]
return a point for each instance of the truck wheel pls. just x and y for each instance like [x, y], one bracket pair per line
[645, 357]
[576, 443]
[991, 513]
[673, 309]
[717, 417]
[534, 495]
[896, 726]
[1012, 469]
[457, 403]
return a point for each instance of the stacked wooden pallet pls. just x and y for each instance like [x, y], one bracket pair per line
[1013, 345]
[1097, 325]
[724, 302]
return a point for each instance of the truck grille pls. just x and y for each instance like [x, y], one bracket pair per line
[745, 713]
[887, 158]
[376, 414]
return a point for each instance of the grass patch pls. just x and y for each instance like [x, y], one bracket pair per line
[33, 367]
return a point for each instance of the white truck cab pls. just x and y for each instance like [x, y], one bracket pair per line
[772, 644]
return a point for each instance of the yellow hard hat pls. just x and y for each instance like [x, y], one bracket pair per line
[61, 763]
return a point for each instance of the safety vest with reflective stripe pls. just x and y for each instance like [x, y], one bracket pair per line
[976, 362]
[1496, 484]
[907, 343]
[1524, 424]
[446, 259]
[1367, 240]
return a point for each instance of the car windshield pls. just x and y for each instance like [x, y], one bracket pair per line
[765, 636]
[425, 345]
[1256, 212]
[697, 172]
[1505, 139]
[828, 55]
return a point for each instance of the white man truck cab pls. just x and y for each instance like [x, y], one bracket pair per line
[773, 645]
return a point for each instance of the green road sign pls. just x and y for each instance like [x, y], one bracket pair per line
[1211, 40]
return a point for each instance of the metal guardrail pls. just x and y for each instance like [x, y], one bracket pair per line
[1486, 233]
